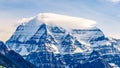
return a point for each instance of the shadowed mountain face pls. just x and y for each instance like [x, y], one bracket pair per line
[4, 61]
[51, 44]
[97, 63]
[94, 61]
[11, 59]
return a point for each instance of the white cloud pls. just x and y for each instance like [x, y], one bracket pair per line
[66, 21]
[114, 1]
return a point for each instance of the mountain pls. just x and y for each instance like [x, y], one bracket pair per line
[58, 41]
[10, 59]
[39, 31]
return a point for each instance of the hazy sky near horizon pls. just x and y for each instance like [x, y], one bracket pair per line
[105, 12]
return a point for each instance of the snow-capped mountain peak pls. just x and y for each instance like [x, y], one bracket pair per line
[53, 27]
[53, 35]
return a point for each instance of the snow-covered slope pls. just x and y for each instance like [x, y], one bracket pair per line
[70, 45]
[63, 38]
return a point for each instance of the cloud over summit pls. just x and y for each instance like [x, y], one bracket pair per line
[62, 20]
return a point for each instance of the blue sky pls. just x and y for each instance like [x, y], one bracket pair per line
[105, 12]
